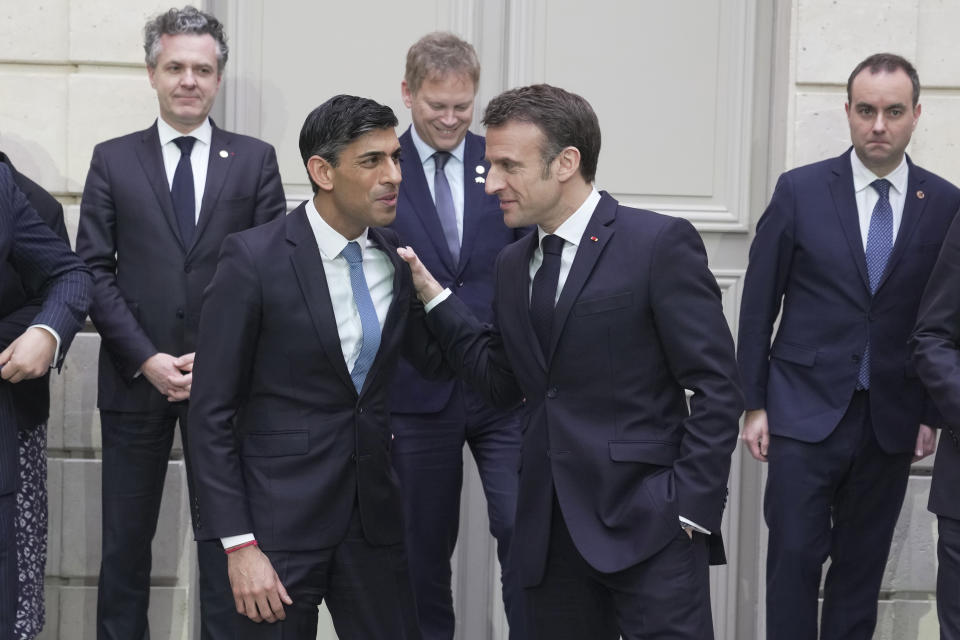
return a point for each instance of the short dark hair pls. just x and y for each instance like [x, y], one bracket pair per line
[566, 120]
[338, 122]
[888, 62]
[437, 54]
[188, 20]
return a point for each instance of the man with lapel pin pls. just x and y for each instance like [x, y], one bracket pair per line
[156, 206]
[602, 319]
[457, 230]
[300, 335]
[841, 255]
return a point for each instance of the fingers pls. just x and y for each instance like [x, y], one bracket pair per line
[185, 362]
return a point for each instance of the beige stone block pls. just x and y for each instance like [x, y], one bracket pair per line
[912, 564]
[54, 515]
[820, 128]
[103, 31]
[55, 421]
[51, 598]
[34, 31]
[33, 123]
[169, 613]
[81, 529]
[832, 37]
[936, 58]
[81, 420]
[907, 620]
[103, 106]
[936, 140]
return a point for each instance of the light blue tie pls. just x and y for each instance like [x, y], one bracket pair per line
[368, 315]
[879, 247]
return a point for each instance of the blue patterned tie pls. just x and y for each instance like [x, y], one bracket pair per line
[879, 246]
[182, 193]
[445, 208]
[544, 293]
[368, 315]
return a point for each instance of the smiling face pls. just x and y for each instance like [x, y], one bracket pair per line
[186, 79]
[882, 118]
[442, 109]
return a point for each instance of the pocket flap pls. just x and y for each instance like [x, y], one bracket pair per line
[657, 452]
[601, 305]
[794, 353]
[275, 443]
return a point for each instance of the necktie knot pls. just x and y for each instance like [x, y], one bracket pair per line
[352, 253]
[882, 187]
[185, 143]
[552, 244]
[441, 158]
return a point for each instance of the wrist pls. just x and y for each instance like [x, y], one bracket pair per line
[242, 545]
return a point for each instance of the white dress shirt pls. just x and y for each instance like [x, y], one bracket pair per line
[378, 271]
[867, 196]
[453, 170]
[199, 156]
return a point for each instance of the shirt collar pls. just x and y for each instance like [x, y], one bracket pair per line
[425, 151]
[863, 177]
[329, 241]
[573, 227]
[203, 133]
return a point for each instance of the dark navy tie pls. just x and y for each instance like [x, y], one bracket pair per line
[368, 315]
[544, 293]
[879, 246]
[445, 208]
[182, 193]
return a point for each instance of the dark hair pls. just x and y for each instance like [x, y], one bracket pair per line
[188, 20]
[437, 54]
[566, 120]
[888, 62]
[338, 122]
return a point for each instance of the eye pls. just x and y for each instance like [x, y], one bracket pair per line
[896, 113]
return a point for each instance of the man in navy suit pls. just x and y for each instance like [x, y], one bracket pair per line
[300, 335]
[457, 230]
[603, 318]
[935, 339]
[156, 206]
[841, 254]
[43, 265]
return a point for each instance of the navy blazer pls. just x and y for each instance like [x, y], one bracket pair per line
[808, 258]
[937, 358]
[147, 283]
[471, 279]
[45, 266]
[282, 444]
[607, 425]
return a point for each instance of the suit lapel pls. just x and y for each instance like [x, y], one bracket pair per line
[390, 334]
[914, 207]
[308, 267]
[473, 195]
[845, 201]
[218, 166]
[151, 159]
[595, 237]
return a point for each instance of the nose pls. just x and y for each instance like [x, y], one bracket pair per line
[879, 124]
[187, 78]
[391, 174]
[494, 182]
[448, 118]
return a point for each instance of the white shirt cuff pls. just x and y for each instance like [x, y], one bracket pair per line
[696, 527]
[232, 541]
[56, 336]
[437, 299]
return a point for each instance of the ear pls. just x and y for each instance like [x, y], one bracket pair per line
[320, 172]
[567, 163]
[916, 114]
[406, 94]
[846, 108]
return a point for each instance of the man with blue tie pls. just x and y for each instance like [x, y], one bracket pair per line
[841, 255]
[457, 230]
[300, 335]
[156, 207]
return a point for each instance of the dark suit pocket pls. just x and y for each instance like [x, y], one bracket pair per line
[602, 305]
[275, 443]
[794, 353]
[658, 452]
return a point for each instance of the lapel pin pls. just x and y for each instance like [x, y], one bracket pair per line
[480, 169]
[921, 194]
[593, 239]
[223, 153]
[479, 180]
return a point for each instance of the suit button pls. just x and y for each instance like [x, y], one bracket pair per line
[855, 358]
[187, 268]
[353, 457]
[552, 392]
[180, 313]
[460, 283]
[360, 410]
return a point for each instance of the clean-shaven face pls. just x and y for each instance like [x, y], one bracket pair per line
[442, 109]
[186, 79]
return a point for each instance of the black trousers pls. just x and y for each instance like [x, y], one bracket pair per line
[367, 590]
[666, 596]
[948, 576]
[136, 448]
[839, 498]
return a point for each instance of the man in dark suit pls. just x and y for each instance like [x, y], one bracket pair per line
[936, 356]
[603, 318]
[42, 265]
[156, 207]
[457, 230]
[300, 335]
[841, 254]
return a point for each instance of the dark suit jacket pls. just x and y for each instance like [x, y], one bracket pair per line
[147, 284]
[935, 353]
[287, 445]
[31, 397]
[484, 235]
[607, 423]
[808, 253]
[45, 266]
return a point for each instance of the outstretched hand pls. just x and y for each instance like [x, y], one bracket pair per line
[423, 281]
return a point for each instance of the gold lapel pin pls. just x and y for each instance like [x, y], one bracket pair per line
[223, 153]
[921, 194]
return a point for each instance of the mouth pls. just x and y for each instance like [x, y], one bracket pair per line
[389, 199]
[447, 131]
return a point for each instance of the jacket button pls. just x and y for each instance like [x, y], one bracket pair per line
[855, 358]
[460, 283]
[187, 268]
[360, 410]
[180, 313]
[552, 392]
